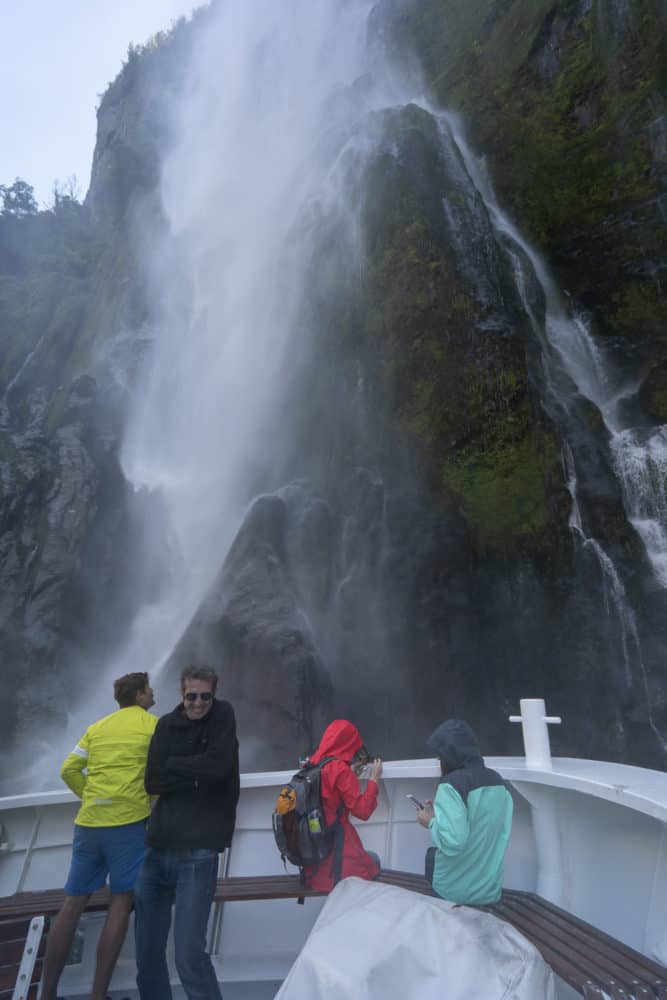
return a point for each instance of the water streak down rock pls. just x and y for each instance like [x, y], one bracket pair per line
[407, 549]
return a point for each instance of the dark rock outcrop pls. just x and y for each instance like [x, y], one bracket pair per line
[425, 558]
[566, 100]
[256, 619]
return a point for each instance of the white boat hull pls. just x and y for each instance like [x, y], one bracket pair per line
[587, 835]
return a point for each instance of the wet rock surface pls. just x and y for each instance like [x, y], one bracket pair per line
[411, 554]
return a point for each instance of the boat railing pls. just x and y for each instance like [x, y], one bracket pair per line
[574, 820]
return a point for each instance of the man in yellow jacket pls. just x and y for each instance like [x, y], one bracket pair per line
[109, 830]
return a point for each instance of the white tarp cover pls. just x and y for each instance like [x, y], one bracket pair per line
[378, 942]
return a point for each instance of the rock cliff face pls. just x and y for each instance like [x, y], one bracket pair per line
[73, 329]
[414, 553]
[69, 523]
[567, 102]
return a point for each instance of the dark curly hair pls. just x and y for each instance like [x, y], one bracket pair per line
[127, 687]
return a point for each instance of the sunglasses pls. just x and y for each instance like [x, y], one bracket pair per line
[193, 695]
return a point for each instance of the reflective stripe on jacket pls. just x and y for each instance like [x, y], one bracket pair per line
[112, 752]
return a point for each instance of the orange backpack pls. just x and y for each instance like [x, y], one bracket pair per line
[299, 826]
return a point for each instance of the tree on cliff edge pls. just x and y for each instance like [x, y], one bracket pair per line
[18, 199]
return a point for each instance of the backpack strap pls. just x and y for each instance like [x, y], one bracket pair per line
[325, 760]
[311, 767]
[339, 834]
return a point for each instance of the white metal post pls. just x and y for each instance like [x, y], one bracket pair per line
[534, 721]
[546, 827]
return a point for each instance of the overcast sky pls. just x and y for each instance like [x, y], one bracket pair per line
[56, 57]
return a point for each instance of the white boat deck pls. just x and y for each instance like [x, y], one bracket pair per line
[591, 836]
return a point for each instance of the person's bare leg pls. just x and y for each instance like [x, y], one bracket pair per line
[59, 942]
[111, 941]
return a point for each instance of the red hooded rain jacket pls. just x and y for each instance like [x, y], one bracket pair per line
[339, 783]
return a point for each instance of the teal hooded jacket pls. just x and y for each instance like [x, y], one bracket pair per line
[473, 820]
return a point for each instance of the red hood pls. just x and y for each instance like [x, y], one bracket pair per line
[340, 739]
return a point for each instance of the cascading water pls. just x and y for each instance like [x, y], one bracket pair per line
[264, 129]
[639, 455]
[268, 146]
[243, 164]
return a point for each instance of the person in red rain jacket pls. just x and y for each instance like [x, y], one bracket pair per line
[340, 785]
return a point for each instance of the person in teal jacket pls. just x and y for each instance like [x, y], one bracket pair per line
[470, 820]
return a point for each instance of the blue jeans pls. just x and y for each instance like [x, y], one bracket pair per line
[186, 877]
[429, 863]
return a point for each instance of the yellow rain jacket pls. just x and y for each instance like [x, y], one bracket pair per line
[113, 753]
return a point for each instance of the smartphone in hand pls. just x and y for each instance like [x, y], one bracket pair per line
[414, 800]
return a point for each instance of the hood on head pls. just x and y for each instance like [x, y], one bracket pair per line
[340, 739]
[456, 743]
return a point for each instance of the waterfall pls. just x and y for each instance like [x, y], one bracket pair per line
[249, 152]
[640, 459]
[266, 150]
[261, 144]
[639, 454]
[571, 483]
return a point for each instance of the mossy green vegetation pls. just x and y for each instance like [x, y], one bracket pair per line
[452, 365]
[504, 491]
[561, 96]
[639, 306]
[653, 393]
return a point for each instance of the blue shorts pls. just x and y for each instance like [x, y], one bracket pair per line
[98, 851]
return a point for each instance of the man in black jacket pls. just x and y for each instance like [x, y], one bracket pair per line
[193, 768]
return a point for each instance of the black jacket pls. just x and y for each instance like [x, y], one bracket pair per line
[193, 766]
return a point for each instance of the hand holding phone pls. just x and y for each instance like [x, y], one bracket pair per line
[376, 770]
[415, 801]
[426, 814]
